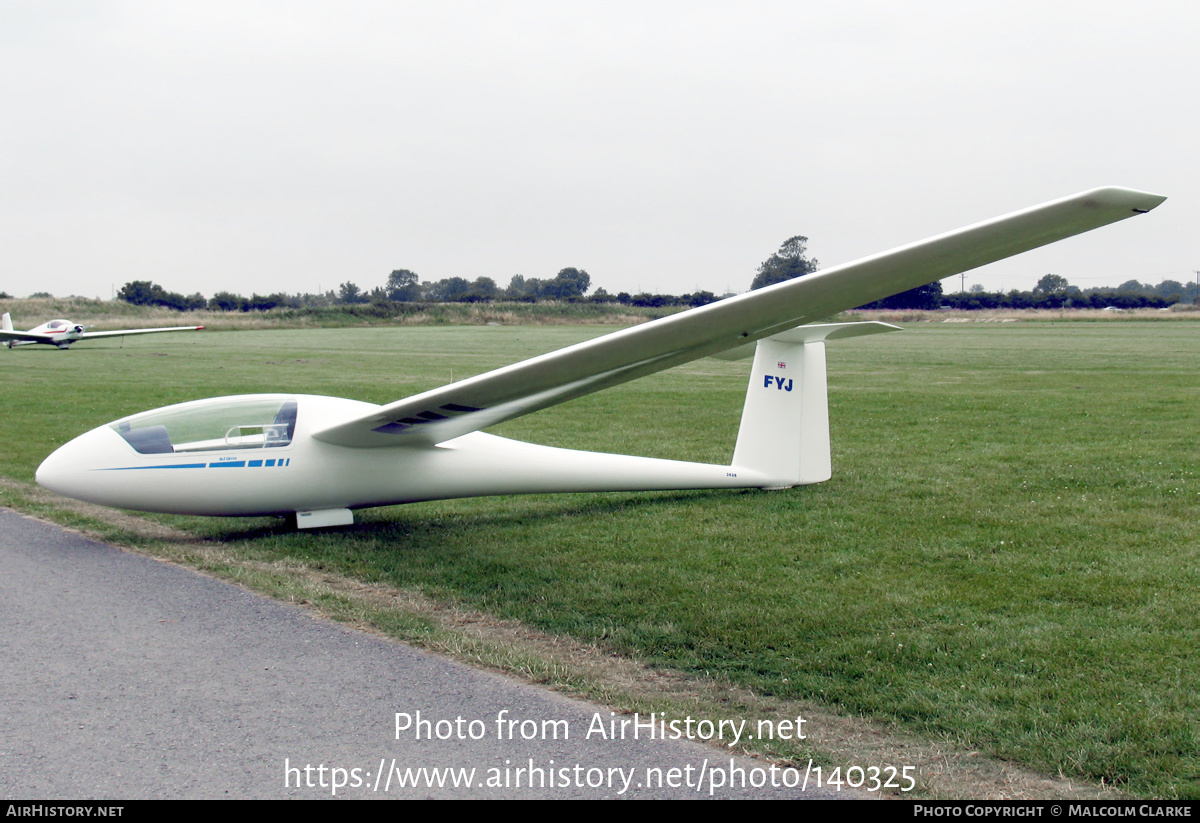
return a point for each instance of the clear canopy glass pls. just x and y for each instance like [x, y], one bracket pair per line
[212, 425]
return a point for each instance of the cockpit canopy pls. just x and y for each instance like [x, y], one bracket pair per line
[220, 424]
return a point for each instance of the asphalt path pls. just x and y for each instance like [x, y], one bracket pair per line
[122, 677]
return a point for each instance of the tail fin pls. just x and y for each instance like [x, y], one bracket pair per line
[6, 323]
[785, 422]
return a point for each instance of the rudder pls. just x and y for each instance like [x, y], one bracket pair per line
[784, 432]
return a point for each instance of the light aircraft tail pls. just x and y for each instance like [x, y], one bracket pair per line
[6, 322]
[784, 432]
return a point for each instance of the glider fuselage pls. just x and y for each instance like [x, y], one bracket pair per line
[248, 471]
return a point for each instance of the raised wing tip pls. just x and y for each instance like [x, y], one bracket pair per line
[1136, 201]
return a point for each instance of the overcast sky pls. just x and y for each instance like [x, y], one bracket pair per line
[662, 146]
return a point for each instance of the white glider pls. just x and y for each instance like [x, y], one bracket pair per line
[63, 333]
[322, 457]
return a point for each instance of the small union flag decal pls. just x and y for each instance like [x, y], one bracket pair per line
[782, 364]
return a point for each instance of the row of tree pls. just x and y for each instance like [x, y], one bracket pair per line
[402, 286]
[1054, 292]
[144, 292]
[572, 284]
[1051, 292]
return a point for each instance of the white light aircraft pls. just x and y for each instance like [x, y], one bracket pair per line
[63, 333]
[321, 457]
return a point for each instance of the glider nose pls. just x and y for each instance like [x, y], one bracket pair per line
[58, 471]
[68, 471]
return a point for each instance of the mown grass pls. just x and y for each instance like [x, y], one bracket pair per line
[1006, 558]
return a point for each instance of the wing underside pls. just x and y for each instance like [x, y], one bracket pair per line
[475, 403]
[26, 337]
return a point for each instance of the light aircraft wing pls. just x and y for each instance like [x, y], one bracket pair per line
[92, 335]
[10, 334]
[484, 400]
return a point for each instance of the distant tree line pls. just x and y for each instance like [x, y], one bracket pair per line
[571, 285]
[404, 286]
[145, 293]
[1054, 292]
[1051, 292]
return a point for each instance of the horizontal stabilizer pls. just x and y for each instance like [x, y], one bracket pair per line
[812, 333]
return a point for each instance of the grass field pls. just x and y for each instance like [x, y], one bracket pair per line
[1005, 559]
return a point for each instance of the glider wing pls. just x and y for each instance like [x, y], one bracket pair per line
[484, 400]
